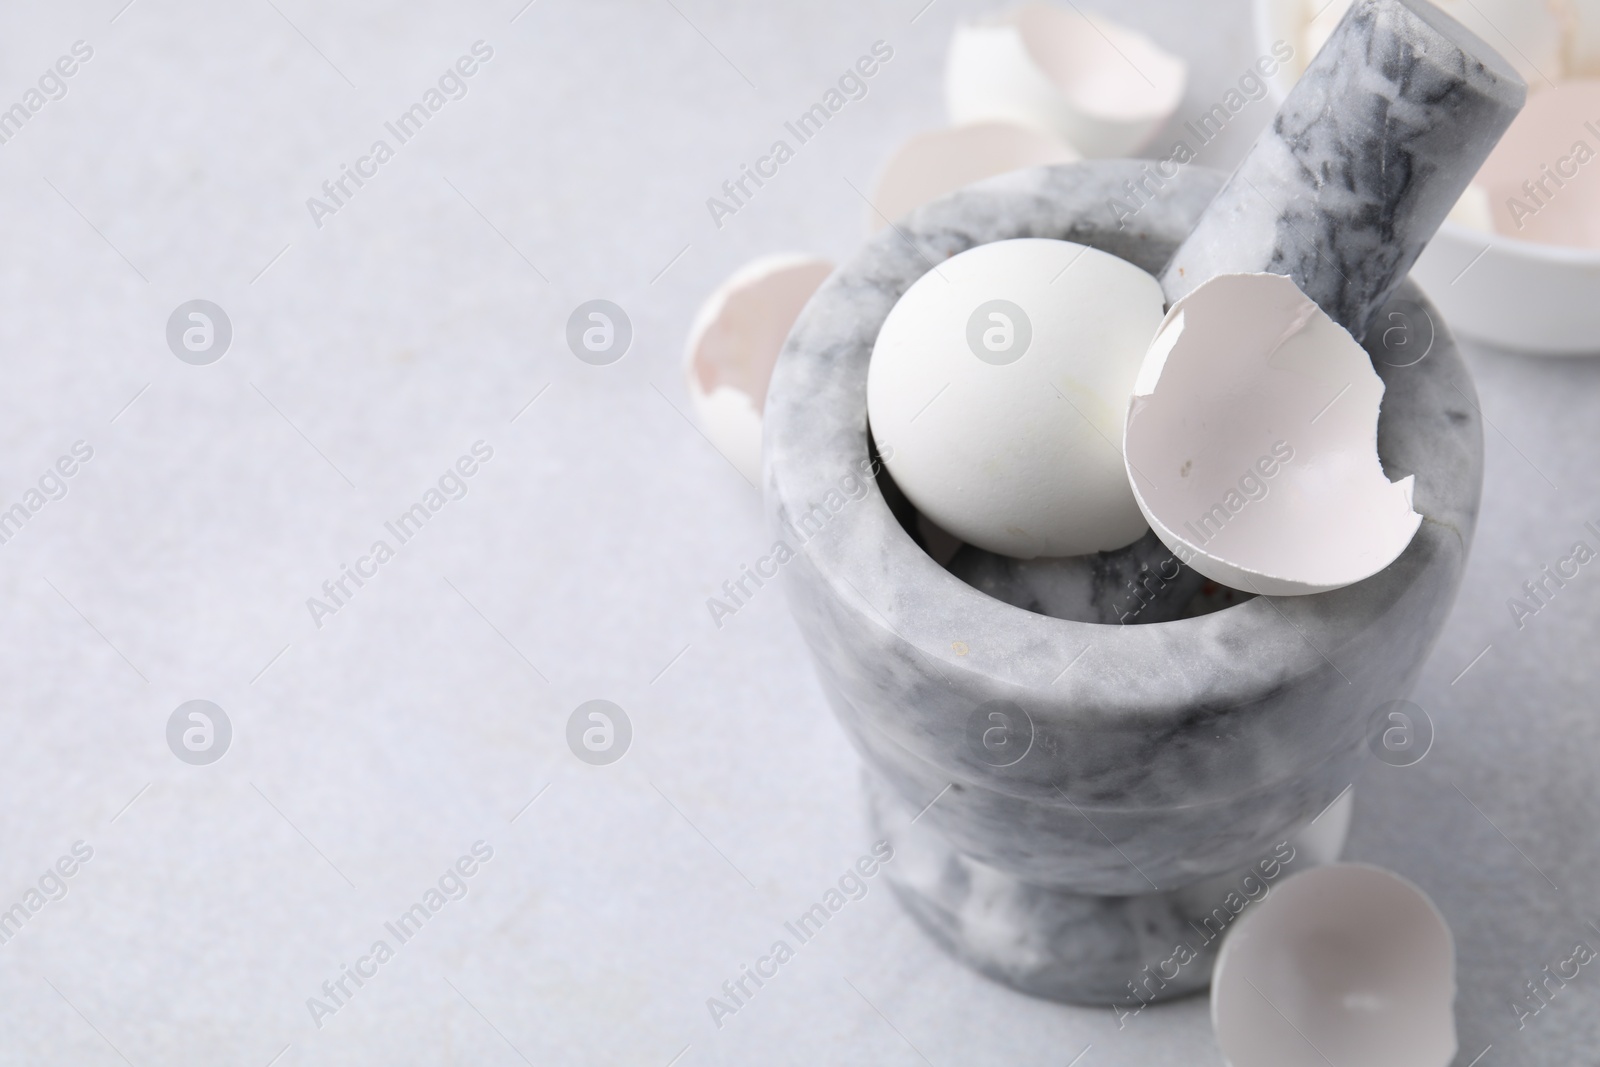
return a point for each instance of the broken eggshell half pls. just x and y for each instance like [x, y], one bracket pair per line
[1541, 182]
[734, 344]
[1101, 87]
[1251, 442]
[1345, 963]
[932, 164]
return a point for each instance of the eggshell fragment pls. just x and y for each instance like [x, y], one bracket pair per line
[1251, 442]
[1474, 209]
[1101, 87]
[1543, 178]
[930, 165]
[734, 343]
[1321, 17]
[1580, 37]
[1000, 380]
[1346, 964]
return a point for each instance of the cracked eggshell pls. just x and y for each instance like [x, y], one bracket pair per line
[1347, 964]
[1521, 271]
[1100, 86]
[1000, 380]
[734, 344]
[1548, 144]
[1474, 209]
[1252, 442]
[932, 164]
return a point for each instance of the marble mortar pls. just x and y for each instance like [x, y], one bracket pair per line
[1156, 760]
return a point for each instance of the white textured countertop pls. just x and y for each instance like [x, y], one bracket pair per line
[371, 752]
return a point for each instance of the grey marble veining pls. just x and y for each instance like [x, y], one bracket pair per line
[1124, 757]
[1367, 155]
[1125, 951]
[1142, 583]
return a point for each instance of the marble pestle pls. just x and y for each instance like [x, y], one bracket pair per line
[1368, 153]
[1366, 157]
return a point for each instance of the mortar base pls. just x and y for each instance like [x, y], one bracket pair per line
[1112, 951]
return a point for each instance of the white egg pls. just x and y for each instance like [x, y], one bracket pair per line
[1346, 964]
[1100, 86]
[1000, 380]
[733, 346]
[1252, 442]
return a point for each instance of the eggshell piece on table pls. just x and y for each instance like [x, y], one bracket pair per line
[999, 380]
[932, 164]
[1543, 178]
[1346, 964]
[734, 344]
[1099, 86]
[1251, 442]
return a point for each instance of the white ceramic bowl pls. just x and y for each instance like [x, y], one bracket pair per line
[1534, 298]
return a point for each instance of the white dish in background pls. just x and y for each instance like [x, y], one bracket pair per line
[1520, 295]
[1345, 964]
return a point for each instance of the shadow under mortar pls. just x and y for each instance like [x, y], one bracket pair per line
[1164, 762]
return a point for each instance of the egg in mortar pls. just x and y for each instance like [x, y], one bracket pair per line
[1001, 379]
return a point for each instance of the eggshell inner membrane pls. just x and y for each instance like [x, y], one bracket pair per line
[741, 327]
[1346, 964]
[1101, 67]
[930, 165]
[1251, 442]
[1543, 178]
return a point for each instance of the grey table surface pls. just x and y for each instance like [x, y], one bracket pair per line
[429, 712]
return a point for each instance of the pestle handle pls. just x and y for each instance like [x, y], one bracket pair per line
[1366, 157]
